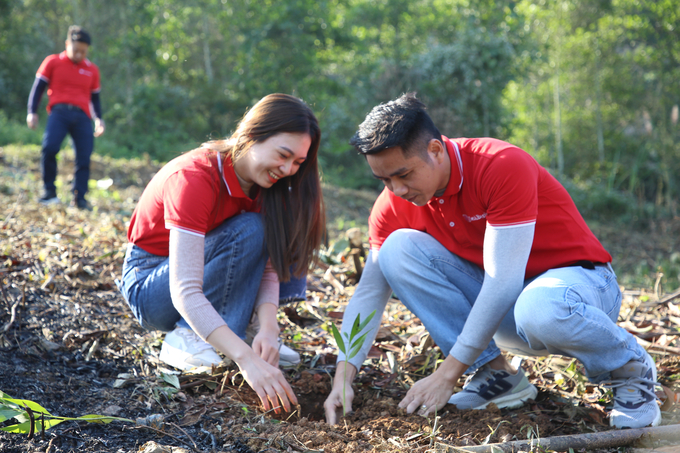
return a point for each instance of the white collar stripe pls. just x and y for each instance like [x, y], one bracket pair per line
[460, 163]
[219, 165]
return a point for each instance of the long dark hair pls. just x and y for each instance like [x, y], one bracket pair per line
[293, 208]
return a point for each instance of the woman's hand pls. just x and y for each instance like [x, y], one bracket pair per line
[266, 342]
[269, 384]
[266, 345]
[267, 380]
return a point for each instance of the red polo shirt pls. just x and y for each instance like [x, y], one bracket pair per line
[191, 193]
[68, 82]
[497, 183]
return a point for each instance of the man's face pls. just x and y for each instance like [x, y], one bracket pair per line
[414, 179]
[76, 51]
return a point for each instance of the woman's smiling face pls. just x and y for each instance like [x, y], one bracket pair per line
[270, 160]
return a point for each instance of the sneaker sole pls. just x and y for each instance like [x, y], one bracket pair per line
[287, 363]
[49, 202]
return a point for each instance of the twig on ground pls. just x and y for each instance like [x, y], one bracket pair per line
[606, 439]
[195, 447]
[651, 346]
[20, 198]
[13, 315]
[666, 299]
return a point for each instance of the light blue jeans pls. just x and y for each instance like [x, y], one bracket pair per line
[235, 258]
[570, 311]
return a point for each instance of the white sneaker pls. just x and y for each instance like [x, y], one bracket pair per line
[183, 349]
[287, 356]
[635, 403]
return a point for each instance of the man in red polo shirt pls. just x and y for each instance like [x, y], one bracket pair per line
[489, 251]
[73, 89]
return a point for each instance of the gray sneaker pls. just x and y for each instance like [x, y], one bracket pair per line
[494, 386]
[634, 398]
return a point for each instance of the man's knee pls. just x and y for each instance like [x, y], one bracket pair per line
[400, 254]
[394, 252]
[51, 146]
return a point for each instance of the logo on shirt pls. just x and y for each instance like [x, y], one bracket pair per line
[475, 217]
[84, 72]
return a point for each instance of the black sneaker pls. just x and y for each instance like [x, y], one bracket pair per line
[81, 204]
[49, 198]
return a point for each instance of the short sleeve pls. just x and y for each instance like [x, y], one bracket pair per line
[46, 68]
[510, 188]
[189, 202]
[96, 87]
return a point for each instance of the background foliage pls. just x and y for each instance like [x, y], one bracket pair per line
[589, 87]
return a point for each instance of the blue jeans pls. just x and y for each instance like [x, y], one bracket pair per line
[235, 259]
[67, 119]
[570, 311]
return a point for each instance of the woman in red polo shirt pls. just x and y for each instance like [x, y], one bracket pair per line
[216, 230]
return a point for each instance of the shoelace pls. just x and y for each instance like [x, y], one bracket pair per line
[194, 340]
[479, 379]
[638, 383]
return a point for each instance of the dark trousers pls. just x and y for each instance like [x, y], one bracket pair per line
[67, 119]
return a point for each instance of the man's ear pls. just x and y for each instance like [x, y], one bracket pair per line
[436, 150]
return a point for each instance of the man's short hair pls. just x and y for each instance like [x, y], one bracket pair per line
[402, 122]
[77, 34]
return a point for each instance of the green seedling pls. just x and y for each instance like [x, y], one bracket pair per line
[350, 345]
[31, 416]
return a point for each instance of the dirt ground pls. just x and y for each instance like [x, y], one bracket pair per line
[69, 343]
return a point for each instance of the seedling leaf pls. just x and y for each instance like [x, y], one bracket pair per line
[366, 321]
[21, 404]
[357, 345]
[171, 379]
[355, 327]
[338, 338]
[7, 412]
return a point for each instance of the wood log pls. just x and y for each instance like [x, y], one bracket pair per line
[590, 441]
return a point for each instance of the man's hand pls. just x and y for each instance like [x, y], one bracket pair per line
[99, 127]
[432, 393]
[32, 120]
[334, 402]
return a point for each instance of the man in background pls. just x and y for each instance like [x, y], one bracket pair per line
[72, 83]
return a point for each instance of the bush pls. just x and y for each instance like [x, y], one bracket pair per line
[12, 132]
[595, 202]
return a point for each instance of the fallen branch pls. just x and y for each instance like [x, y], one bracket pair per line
[666, 299]
[606, 439]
